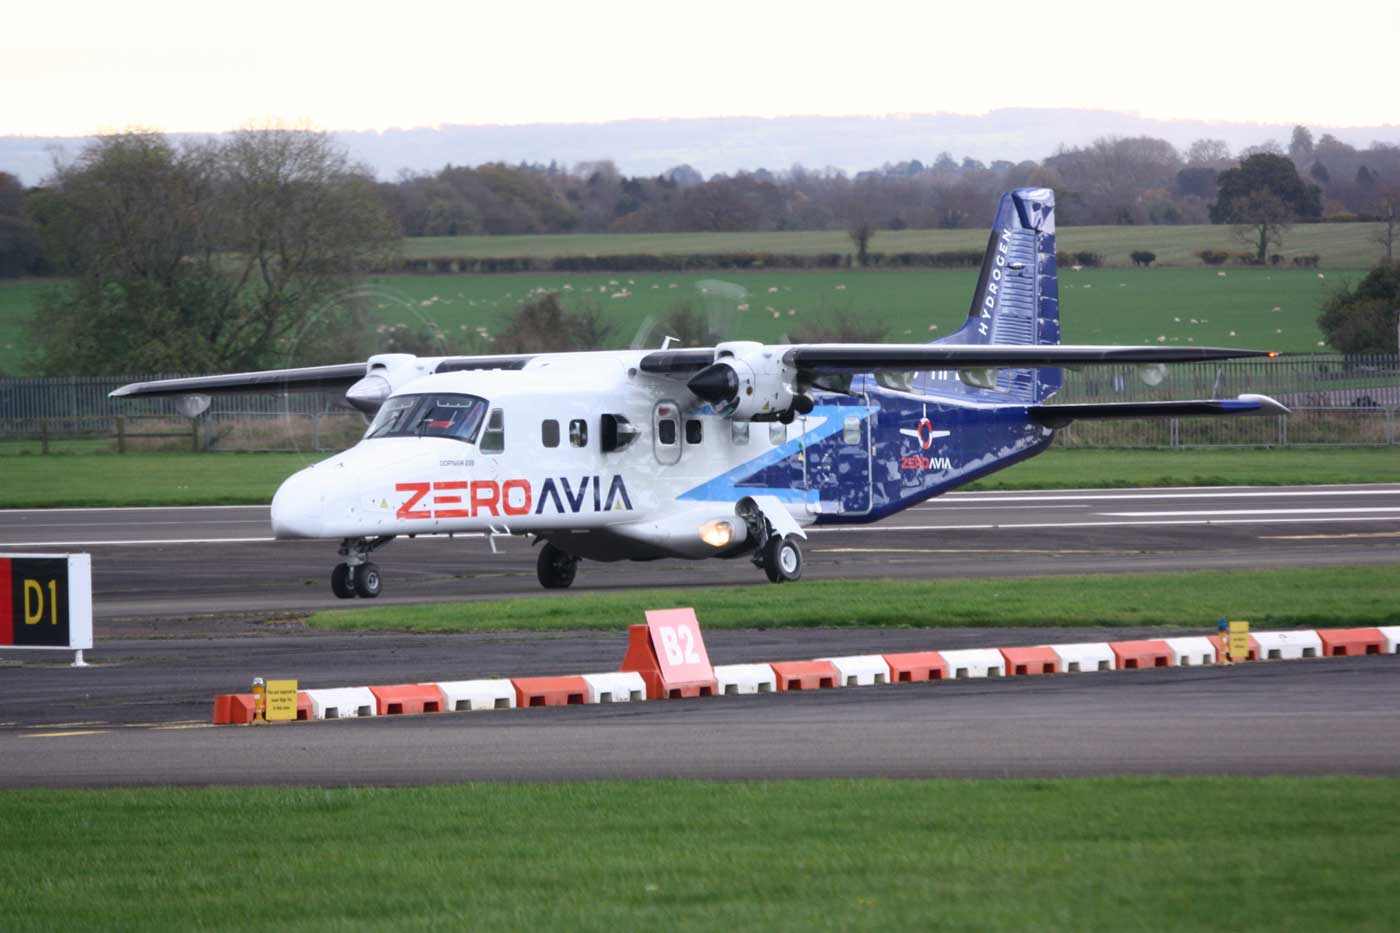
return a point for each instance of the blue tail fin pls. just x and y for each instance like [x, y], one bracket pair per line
[1017, 300]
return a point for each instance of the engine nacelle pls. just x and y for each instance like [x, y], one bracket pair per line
[749, 382]
[384, 374]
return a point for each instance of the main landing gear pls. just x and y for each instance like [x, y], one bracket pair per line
[777, 555]
[556, 568]
[358, 576]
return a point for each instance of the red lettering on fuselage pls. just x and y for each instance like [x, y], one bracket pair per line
[407, 510]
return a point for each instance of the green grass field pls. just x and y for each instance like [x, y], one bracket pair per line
[1339, 245]
[1127, 306]
[92, 479]
[1326, 598]
[1113, 854]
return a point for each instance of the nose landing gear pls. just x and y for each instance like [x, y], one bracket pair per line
[776, 552]
[358, 576]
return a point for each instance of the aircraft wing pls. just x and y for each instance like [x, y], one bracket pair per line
[859, 358]
[819, 358]
[340, 376]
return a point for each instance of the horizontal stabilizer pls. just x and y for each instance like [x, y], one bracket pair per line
[1057, 416]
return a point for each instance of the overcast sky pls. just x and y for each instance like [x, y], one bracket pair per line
[80, 67]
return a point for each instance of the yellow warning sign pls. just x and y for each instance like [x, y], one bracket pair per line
[1239, 641]
[281, 700]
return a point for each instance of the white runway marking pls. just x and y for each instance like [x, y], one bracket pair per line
[1247, 512]
[1183, 521]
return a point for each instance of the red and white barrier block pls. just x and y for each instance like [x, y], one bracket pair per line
[1197, 651]
[1022, 662]
[464, 696]
[1083, 657]
[1135, 655]
[1349, 642]
[616, 687]
[1287, 646]
[861, 670]
[342, 703]
[916, 667]
[743, 679]
[974, 662]
[1391, 635]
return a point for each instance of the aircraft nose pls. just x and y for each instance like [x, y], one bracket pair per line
[298, 507]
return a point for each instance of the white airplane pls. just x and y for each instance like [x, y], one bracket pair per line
[726, 451]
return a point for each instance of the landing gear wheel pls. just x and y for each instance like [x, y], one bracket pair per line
[367, 582]
[555, 568]
[341, 584]
[782, 560]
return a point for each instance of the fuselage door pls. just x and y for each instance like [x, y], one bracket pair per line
[838, 467]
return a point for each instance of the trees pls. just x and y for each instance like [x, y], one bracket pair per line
[1262, 197]
[1387, 205]
[223, 255]
[20, 250]
[1364, 319]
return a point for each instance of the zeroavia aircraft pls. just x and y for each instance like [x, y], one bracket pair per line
[726, 451]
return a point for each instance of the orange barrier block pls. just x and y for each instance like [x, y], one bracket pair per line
[916, 666]
[406, 699]
[1038, 660]
[805, 675]
[234, 709]
[1132, 655]
[550, 691]
[1347, 642]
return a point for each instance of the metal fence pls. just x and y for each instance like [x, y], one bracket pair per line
[1336, 400]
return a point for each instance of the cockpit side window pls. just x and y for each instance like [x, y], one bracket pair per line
[457, 417]
[493, 439]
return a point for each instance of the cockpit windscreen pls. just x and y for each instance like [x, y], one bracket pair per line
[455, 416]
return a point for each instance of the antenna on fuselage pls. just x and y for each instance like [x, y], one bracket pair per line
[667, 340]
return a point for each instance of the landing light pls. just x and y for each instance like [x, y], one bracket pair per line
[717, 533]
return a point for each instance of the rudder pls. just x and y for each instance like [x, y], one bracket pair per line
[1017, 300]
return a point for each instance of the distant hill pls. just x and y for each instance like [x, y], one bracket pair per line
[727, 144]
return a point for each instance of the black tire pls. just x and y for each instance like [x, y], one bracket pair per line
[556, 568]
[367, 581]
[341, 584]
[782, 560]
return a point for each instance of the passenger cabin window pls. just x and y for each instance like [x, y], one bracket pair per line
[452, 416]
[578, 433]
[493, 439]
[739, 433]
[549, 433]
[777, 433]
[694, 431]
[666, 432]
[850, 433]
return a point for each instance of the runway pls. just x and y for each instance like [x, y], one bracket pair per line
[183, 562]
[141, 717]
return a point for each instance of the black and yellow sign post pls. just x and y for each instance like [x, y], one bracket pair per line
[46, 603]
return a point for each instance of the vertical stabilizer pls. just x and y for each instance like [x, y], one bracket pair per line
[1017, 301]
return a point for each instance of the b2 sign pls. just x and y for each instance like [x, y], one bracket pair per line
[680, 651]
[46, 601]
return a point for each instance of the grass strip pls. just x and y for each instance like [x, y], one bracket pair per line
[108, 480]
[1327, 598]
[1107, 854]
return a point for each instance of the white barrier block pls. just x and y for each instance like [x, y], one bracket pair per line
[615, 687]
[975, 662]
[1084, 657]
[732, 679]
[861, 670]
[473, 695]
[1196, 651]
[1391, 634]
[1288, 646]
[341, 703]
